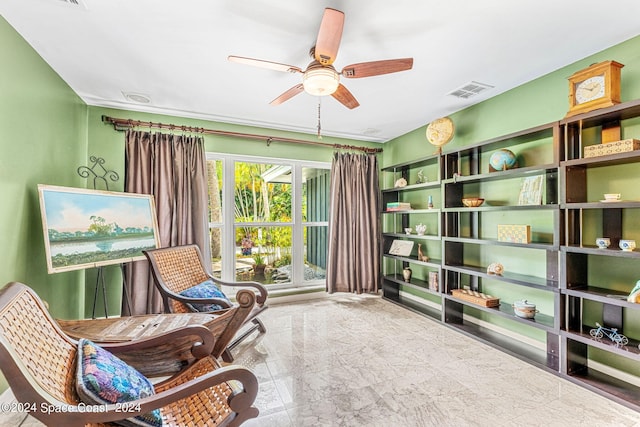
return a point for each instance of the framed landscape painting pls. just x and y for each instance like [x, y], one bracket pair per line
[93, 228]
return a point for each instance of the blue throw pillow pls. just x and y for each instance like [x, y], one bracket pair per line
[102, 378]
[206, 289]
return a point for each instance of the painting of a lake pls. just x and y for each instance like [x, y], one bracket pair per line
[92, 228]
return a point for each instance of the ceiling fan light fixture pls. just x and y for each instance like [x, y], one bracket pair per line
[321, 81]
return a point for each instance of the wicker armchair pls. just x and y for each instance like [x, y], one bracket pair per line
[39, 362]
[176, 269]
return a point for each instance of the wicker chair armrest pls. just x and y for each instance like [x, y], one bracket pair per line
[243, 396]
[262, 295]
[239, 402]
[203, 341]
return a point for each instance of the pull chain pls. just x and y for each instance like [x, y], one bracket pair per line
[319, 127]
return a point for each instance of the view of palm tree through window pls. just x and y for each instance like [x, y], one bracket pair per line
[279, 218]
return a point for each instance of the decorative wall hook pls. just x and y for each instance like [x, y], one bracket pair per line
[98, 171]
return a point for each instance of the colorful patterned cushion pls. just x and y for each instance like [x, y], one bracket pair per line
[102, 378]
[206, 289]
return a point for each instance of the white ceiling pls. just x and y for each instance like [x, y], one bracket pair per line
[175, 52]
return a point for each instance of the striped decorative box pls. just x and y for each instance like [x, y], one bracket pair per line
[513, 233]
[615, 147]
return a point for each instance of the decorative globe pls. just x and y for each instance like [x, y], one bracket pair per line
[503, 159]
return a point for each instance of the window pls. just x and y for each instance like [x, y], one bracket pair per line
[268, 220]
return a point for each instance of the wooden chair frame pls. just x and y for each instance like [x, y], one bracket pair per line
[171, 356]
[178, 268]
[39, 362]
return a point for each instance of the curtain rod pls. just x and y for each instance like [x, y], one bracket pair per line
[121, 124]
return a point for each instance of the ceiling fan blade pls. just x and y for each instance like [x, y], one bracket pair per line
[264, 64]
[329, 35]
[345, 97]
[376, 68]
[288, 94]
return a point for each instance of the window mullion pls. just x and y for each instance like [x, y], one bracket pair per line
[228, 215]
[297, 239]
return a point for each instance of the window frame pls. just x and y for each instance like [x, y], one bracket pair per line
[228, 225]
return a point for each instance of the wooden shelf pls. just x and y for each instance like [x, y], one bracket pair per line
[422, 186]
[602, 295]
[602, 205]
[541, 321]
[416, 284]
[594, 250]
[525, 135]
[532, 245]
[622, 111]
[630, 350]
[413, 236]
[501, 175]
[435, 263]
[414, 211]
[601, 161]
[514, 278]
[502, 208]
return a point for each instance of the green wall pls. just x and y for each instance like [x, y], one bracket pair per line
[43, 126]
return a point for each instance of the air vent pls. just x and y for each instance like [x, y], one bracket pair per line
[470, 90]
[78, 3]
[137, 97]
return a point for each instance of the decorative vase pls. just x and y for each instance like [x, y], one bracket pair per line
[430, 202]
[406, 274]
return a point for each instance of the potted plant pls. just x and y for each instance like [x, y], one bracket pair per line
[259, 263]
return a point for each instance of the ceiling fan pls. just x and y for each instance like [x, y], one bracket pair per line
[321, 78]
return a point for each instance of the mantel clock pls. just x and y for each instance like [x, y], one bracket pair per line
[597, 86]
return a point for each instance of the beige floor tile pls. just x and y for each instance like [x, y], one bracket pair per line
[350, 360]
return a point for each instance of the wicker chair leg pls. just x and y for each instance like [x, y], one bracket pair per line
[257, 325]
[227, 356]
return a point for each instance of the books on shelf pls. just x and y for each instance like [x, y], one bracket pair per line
[398, 206]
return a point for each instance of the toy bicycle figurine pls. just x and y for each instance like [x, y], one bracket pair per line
[612, 333]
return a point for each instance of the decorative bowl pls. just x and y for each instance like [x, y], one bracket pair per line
[627, 245]
[472, 202]
[603, 242]
[612, 196]
[524, 309]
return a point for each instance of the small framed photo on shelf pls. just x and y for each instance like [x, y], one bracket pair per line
[531, 191]
[433, 281]
[401, 247]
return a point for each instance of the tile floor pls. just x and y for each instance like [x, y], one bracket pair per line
[349, 360]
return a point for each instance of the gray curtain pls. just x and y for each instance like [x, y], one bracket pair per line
[173, 169]
[354, 228]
